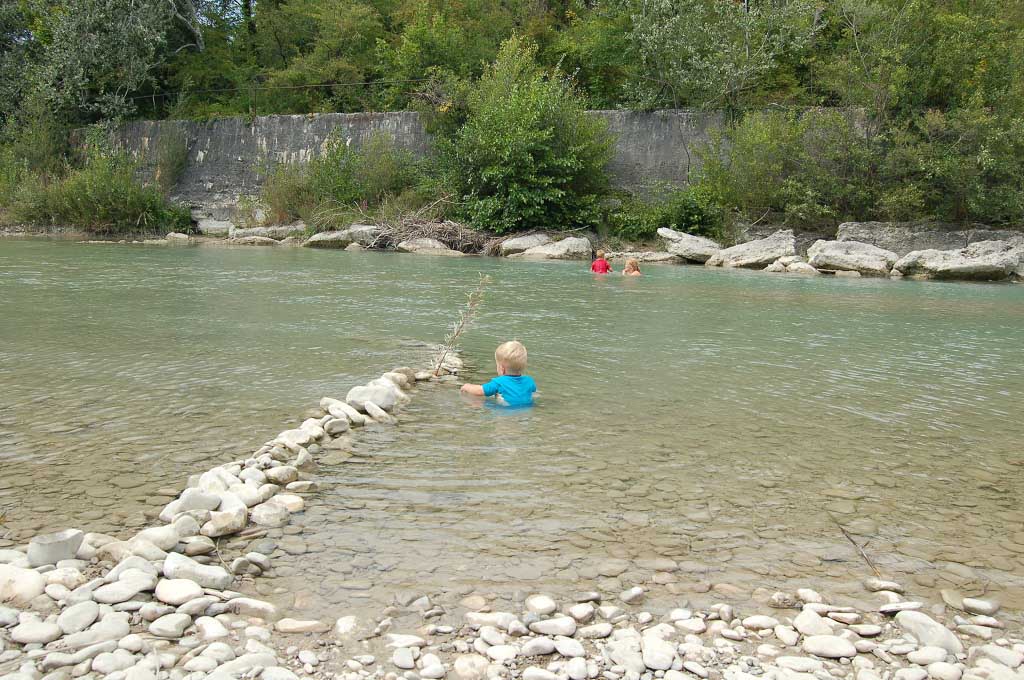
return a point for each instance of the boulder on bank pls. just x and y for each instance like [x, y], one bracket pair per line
[520, 244]
[851, 256]
[689, 247]
[363, 234]
[253, 241]
[984, 261]
[756, 254]
[277, 233]
[427, 246]
[572, 248]
[905, 237]
[641, 256]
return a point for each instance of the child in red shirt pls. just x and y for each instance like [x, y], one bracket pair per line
[600, 265]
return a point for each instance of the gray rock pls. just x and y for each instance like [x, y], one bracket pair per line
[572, 248]
[33, 631]
[270, 514]
[688, 247]
[78, 617]
[277, 233]
[52, 548]
[927, 631]
[756, 254]
[427, 246]
[904, 237]
[171, 625]
[829, 646]
[985, 261]
[520, 244]
[378, 394]
[363, 234]
[253, 241]
[851, 256]
[209, 576]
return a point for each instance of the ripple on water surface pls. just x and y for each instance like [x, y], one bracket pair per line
[694, 426]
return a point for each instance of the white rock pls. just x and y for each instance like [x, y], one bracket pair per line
[270, 514]
[344, 626]
[851, 256]
[130, 583]
[1005, 657]
[165, 537]
[582, 612]
[397, 640]
[381, 395]
[288, 625]
[535, 673]
[658, 654]
[809, 623]
[977, 606]
[470, 666]
[927, 655]
[32, 630]
[577, 668]
[502, 653]
[759, 622]
[171, 625]
[829, 646]
[569, 648]
[688, 247]
[519, 244]
[695, 668]
[572, 248]
[634, 594]
[944, 671]
[538, 646]
[78, 617]
[912, 673]
[19, 585]
[110, 627]
[178, 566]
[52, 548]
[111, 662]
[211, 629]
[558, 625]
[756, 254]
[540, 604]
[177, 591]
[800, 664]
[928, 632]
[231, 516]
[787, 635]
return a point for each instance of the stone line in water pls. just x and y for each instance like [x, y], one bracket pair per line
[86, 619]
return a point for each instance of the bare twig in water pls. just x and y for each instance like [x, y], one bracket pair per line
[466, 316]
[864, 555]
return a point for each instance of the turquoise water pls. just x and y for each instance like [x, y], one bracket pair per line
[727, 421]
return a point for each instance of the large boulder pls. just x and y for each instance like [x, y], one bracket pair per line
[905, 237]
[212, 227]
[689, 247]
[519, 244]
[276, 233]
[756, 254]
[852, 256]
[427, 246]
[983, 261]
[378, 393]
[572, 248]
[364, 234]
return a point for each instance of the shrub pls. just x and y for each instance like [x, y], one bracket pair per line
[342, 177]
[528, 155]
[102, 196]
[690, 210]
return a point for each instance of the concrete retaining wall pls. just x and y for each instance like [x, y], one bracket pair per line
[231, 157]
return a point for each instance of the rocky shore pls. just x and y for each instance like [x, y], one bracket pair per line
[169, 602]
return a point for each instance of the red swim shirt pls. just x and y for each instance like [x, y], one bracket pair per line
[600, 266]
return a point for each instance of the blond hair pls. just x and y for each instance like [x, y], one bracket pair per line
[600, 254]
[511, 355]
[632, 263]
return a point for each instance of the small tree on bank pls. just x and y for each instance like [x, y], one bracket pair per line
[528, 155]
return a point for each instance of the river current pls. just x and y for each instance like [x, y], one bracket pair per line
[695, 428]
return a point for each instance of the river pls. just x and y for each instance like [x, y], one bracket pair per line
[695, 427]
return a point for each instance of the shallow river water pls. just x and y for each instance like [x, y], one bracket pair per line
[695, 428]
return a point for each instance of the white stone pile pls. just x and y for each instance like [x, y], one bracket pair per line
[158, 605]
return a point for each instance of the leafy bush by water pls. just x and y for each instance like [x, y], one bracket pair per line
[691, 210]
[528, 155]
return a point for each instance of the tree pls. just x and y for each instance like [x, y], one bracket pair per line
[708, 53]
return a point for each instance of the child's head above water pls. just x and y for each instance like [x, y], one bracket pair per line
[600, 254]
[510, 358]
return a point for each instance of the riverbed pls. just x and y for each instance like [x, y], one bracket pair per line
[696, 428]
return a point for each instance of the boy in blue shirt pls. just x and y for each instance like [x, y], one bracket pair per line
[511, 386]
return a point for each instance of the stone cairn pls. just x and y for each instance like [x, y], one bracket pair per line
[159, 606]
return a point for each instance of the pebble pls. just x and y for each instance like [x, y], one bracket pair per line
[582, 612]
[78, 617]
[177, 591]
[559, 625]
[927, 655]
[301, 626]
[34, 631]
[569, 648]
[596, 631]
[941, 670]
[403, 658]
[538, 646]
[976, 606]
[632, 595]
[171, 625]
[787, 635]
[694, 668]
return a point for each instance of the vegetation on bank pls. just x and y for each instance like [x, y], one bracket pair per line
[852, 109]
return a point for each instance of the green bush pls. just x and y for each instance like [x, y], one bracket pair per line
[691, 210]
[528, 155]
[103, 196]
[342, 177]
[814, 166]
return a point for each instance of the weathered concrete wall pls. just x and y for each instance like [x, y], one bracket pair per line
[231, 157]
